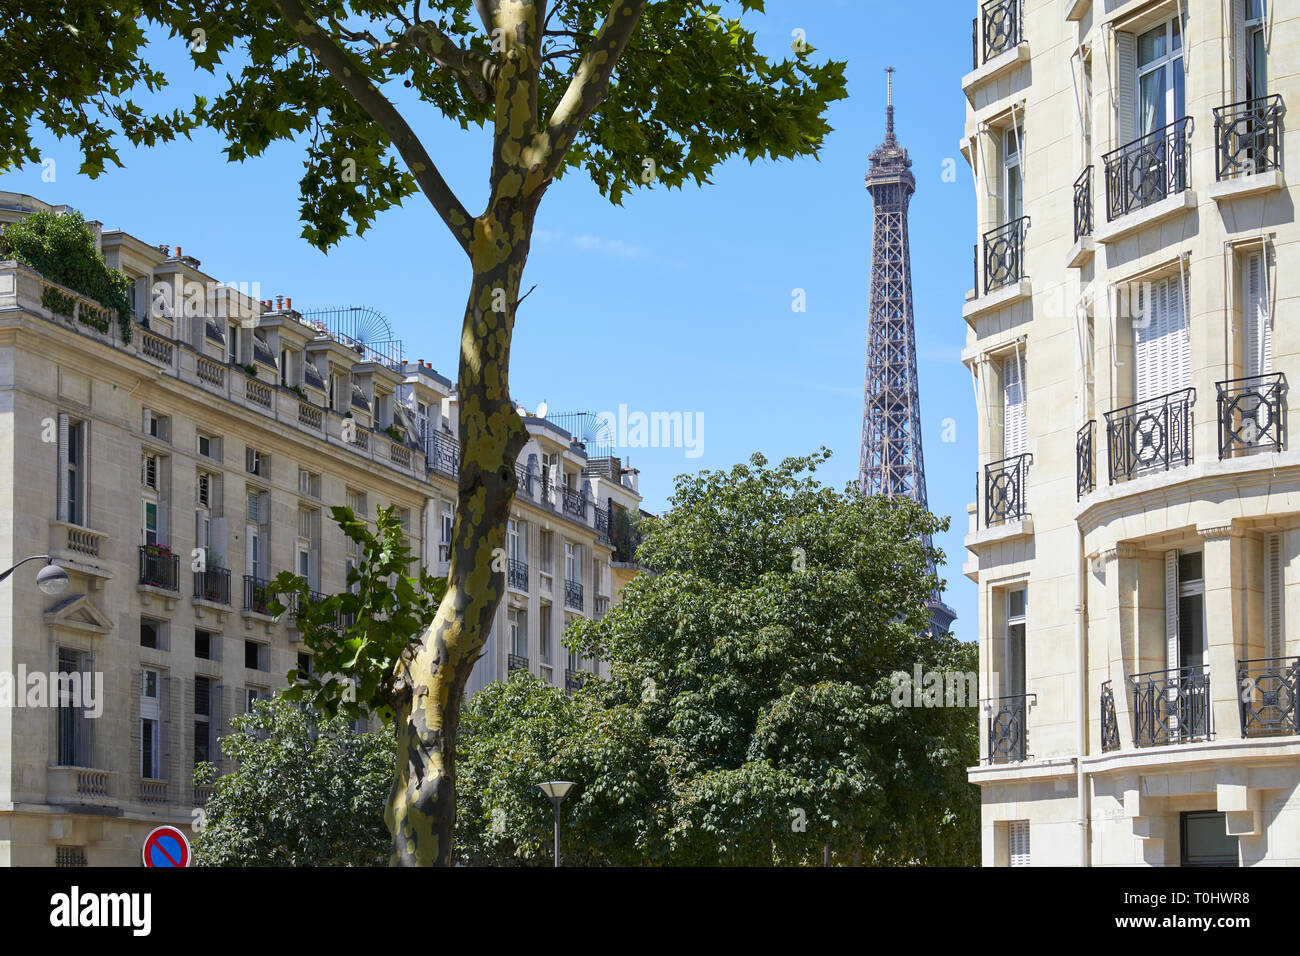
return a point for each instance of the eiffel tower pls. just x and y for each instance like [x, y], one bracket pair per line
[892, 462]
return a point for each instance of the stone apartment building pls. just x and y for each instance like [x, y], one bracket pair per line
[1136, 532]
[173, 475]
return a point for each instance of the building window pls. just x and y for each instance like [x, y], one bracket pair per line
[308, 483]
[207, 645]
[157, 426]
[150, 720]
[153, 634]
[1257, 349]
[1161, 83]
[304, 665]
[255, 654]
[205, 699]
[234, 353]
[357, 502]
[572, 562]
[1013, 191]
[546, 547]
[1017, 611]
[544, 634]
[1018, 843]
[1161, 345]
[75, 743]
[73, 435]
[1014, 421]
[1252, 51]
[448, 522]
[1205, 840]
[257, 462]
[251, 696]
[209, 446]
[518, 619]
[69, 856]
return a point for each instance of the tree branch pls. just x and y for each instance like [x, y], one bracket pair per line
[590, 82]
[351, 74]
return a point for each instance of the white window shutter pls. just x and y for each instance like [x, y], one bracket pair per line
[1019, 842]
[1014, 439]
[1171, 610]
[1274, 591]
[1126, 84]
[63, 467]
[1239, 49]
[1259, 327]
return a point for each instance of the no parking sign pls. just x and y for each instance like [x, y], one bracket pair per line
[166, 846]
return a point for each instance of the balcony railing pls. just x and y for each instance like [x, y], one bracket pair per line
[159, 567]
[1003, 26]
[1248, 137]
[1085, 470]
[573, 503]
[1171, 707]
[1252, 414]
[443, 453]
[517, 574]
[573, 595]
[1005, 483]
[1008, 737]
[1083, 205]
[524, 477]
[1004, 255]
[257, 594]
[602, 522]
[600, 606]
[1150, 436]
[1147, 170]
[212, 584]
[573, 679]
[516, 662]
[1269, 687]
[1109, 722]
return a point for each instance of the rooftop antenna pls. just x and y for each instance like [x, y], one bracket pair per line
[889, 110]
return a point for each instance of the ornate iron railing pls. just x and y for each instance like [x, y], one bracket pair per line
[514, 662]
[574, 503]
[1248, 137]
[517, 574]
[1003, 26]
[1109, 722]
[1005, 484]
[1150, 436]
[1252, 414]
[159, 567]
[602, 522]
[1004, 255]
[1083, 205]
[257, 594]
[443, 454]
[524, 478]
[1085, 470]
[1147, 170]
[573, 679]
[1171, 707]
[1007, 728]
[1269, 689]
[573, 595]
[213, 584]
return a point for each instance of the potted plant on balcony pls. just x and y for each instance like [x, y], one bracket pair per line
[159, 551]
[395, 433]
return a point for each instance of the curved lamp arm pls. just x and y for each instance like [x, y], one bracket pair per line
[34, 557]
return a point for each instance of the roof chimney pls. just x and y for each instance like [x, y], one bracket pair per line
[178, 252]
[288, 303]
[279, 302]
[165, 250]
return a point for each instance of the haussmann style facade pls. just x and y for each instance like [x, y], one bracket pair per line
[218, 437]
[1132, 334]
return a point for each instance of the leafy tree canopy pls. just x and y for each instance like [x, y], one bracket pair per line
[749, 717]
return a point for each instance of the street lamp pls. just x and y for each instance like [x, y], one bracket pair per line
[556, 791]
[51, 579]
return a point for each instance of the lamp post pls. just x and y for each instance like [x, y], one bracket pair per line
[51, 579]
[556, 791]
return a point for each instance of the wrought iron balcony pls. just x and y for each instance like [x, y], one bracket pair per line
[573, 595]
[257, 594]
[1252, 414]
[1083, 205]
[1005, 483]
[516, 662]
[600, 607]
[602, 521]
[573, 679]
[1109, 722]
[574, 503]
[212, 584]
[1154, 435]
[1269, 687]
[1248, 137]
[1003, 26]
[1171, 707]
[1147, 170]
[1085, 472]
[443, 454]
[525, 480]
[159, 567]
[1008, 736]
[517, 574]
[1004, 255]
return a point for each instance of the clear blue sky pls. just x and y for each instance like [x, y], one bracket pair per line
[677, 301]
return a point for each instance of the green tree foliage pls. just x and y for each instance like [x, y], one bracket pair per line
[61, 247]
[307, 790]
[359, 638]
[748, 718]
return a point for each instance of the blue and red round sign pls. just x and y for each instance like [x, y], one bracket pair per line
[166, 846]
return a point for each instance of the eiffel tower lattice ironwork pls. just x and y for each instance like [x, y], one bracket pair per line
[892, 462]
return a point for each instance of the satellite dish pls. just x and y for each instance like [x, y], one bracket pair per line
[523, 412]
[541, 410]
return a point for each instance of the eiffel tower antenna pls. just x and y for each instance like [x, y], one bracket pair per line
[892, 462]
